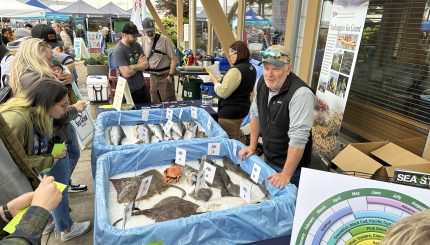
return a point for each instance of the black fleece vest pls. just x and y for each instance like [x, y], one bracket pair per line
[236, 106]
[274, 120]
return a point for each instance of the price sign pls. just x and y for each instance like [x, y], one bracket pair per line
[209, 124]
[169, 114]
[127, 213]
[194, 112]
[145, 115]
[245, 191]
[180, 157]
[214, 149]
[255, 174]
[144, 187]
[180, 113]
[209, 172]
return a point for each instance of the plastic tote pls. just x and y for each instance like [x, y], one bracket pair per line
[131, 118]
[252, 222]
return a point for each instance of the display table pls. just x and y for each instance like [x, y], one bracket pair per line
[173, 104]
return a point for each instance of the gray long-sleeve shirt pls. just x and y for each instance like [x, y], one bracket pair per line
[301, 115]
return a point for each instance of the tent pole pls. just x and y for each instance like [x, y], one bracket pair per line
[111, 31]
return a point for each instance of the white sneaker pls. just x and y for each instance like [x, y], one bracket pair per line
[48, 228]
[76, 230]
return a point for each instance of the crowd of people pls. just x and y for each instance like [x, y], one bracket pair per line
[38, 113]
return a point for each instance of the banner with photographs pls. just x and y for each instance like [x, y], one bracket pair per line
[340, 54]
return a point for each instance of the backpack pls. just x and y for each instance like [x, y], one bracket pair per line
[5, 90]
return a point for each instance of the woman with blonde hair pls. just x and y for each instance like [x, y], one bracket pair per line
[412, 230]
[32, 61]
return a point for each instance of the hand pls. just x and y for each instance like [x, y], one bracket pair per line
[142, 59]
[65, 78]
[62, 154]
[20, 203]
[169, 78]
[80, 106]
[47, 195]
[279, 180]
[213, 79]
[246, 152]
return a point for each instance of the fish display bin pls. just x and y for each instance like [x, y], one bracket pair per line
[100, 145]
[251, 222]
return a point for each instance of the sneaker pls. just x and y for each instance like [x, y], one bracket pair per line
[76, 230]
[73, 188]
[48, 228]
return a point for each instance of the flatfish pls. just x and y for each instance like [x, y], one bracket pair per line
[116, 134]
[221, 180]
[235, 168]
[169, 208]
[128, 187]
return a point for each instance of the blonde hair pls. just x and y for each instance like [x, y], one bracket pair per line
[30, 56]
[414, 229]
[40, 117]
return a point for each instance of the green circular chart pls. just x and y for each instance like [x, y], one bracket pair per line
[356, 217]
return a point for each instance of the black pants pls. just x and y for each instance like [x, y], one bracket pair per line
[141, 95]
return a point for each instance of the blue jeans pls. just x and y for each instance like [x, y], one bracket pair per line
[61, 215]
[73, 150]
[295, 179]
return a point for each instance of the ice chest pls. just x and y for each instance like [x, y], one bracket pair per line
[245, 224]
[98, 88]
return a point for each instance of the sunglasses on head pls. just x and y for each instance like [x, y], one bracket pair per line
[272, 54]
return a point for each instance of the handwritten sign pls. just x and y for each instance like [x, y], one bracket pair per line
[214, 149]
[144, 187]
[209, 172]
[245, 191]
[180, 157]
[255, 174]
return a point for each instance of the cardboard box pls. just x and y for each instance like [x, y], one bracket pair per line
[379, 159]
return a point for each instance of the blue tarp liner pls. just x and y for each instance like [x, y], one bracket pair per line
[252, 222]
[105, 119]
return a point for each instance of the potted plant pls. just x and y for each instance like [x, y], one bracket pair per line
[97, 64]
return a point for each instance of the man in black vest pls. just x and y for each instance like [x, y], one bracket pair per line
[282, 111]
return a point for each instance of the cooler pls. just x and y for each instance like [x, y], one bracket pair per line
[98, 88]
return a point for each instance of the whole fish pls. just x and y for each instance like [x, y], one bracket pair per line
[178, 128]
[235, 168]
[158, 131]
[191, 131]
[128, 187]
[167, 133]
[221, 180]
[190, 174]
[140, 135]
[169, 208]
[176, 136]
[116, 134]
[155, 139]
[203, 194]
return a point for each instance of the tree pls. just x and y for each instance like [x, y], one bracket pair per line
[261, 5]
[169, 6]
[170, 23]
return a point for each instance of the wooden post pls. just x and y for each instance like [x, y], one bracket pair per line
[289, 26]
[193, 26]
[241, 19]
[180, 27]
[219, 20]
[156, 18]
[210, 37]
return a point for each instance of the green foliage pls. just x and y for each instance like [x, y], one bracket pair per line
[169, 7]
[171, 24]
[96, 59]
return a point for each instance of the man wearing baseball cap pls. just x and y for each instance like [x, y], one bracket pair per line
[282, 111]
[161, 56]
[131, 62]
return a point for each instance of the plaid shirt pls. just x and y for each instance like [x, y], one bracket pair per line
[30, 228]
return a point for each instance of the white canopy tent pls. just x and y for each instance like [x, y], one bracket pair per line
[13, 8]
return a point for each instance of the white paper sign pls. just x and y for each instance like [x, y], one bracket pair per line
[145, 115]
[169, 114]
[214, 149]
[84, 127]
[168, 126]
[127, 213]
[143, 132]
[200, 182]
[144, 187]
[209, 172]
[234, 149]
[122, 90]
[181, 155]
[209, 124]
[245, 191]
[255, 174]
[180, 113]
[194, 112]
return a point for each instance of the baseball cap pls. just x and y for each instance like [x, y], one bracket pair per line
[22, 32]
[277, 55]
[130, 28]
[47, 34]
[148, 25]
